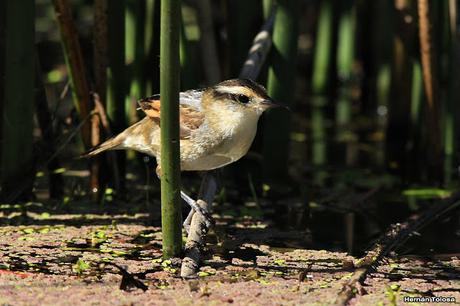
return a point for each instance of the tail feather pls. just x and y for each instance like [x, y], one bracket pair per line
[117, 142]
[111, 144]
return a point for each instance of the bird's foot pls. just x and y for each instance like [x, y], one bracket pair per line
[188, 221]
[195, 208]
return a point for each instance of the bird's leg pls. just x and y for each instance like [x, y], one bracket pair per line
[194, 207]
[188, 221]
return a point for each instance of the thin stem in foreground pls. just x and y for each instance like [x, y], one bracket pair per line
[170, 163]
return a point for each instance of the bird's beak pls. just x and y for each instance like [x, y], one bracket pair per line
[270, 103]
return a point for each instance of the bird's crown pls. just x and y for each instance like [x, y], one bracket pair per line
[239, 90]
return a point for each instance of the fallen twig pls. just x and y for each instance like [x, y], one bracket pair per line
[392, 239]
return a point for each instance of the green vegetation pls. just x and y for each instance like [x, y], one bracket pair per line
[281, 86]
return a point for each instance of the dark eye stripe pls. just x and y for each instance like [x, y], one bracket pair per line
[241, 98]
[221, 95]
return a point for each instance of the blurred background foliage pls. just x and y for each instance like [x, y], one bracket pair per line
[372, 87]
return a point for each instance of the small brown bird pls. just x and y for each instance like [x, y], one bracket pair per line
[217, 126]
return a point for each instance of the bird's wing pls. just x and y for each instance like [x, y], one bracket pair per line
[191, 98]
[190, 115]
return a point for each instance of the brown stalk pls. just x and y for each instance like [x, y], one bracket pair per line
[426, 52]
[95, 163]
[75, 64]
[100, 49]
[91, 132]
[397, 135]
[103, 122]
[432, 113]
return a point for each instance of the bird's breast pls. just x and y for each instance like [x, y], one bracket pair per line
[238, 144]
[230, 147]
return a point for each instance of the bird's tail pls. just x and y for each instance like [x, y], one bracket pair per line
[117, 142]
[111, 144]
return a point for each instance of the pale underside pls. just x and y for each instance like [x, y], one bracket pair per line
[203, 145]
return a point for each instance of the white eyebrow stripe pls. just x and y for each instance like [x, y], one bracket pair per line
[236, 90]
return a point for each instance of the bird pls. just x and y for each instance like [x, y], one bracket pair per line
[217, 126]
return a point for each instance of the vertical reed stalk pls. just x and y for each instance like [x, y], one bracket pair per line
[135, 54]
[324, 55]
[17, 32]
[376, 17]
[151, 7]
[280, 85]
[44, 118]
[116, 80]
[208, 42]
[345, 58]
[152, 33]
[323, 49]
[241, 31]
[100, 47]
[170, 163]
[397, 134]
[382, 86]
[75, 65]
[452, 112]
[430, 80]
[98, 164]
[443, 37]
[416, 122]
[189, 77]
[267, 7]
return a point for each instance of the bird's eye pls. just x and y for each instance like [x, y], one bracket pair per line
[242, 99]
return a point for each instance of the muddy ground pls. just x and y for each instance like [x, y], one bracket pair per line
[56, 258]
